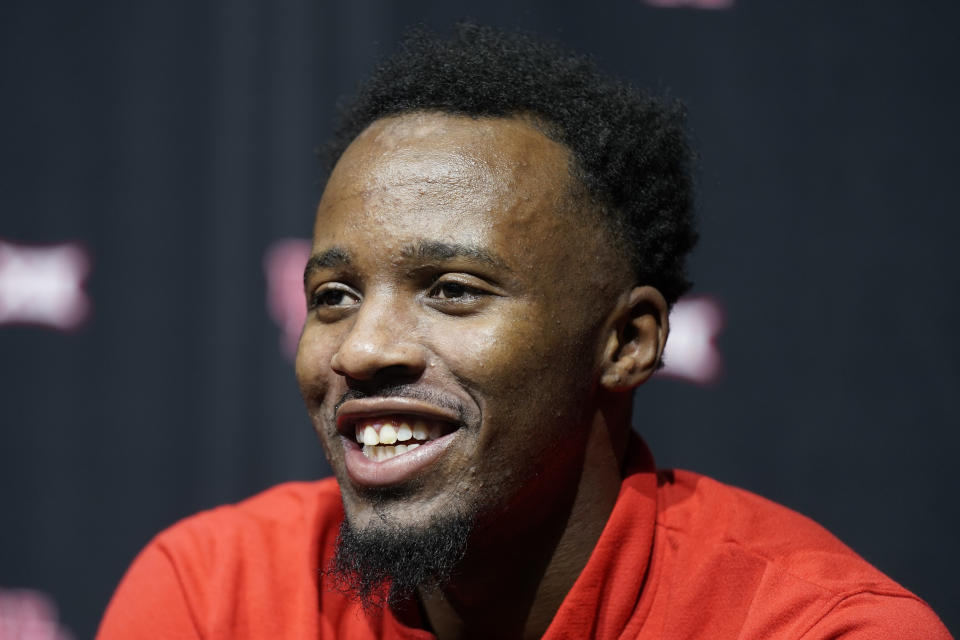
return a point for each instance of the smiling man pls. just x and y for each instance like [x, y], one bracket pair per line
[494, 258]
[453, 357]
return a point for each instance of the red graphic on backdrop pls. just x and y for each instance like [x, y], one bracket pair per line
[43, 285]
[283, 265]
[29, 615]
[691, 4]
[691, 352]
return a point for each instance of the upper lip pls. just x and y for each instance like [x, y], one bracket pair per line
[352, 411]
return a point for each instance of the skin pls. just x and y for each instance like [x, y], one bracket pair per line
[532, 325]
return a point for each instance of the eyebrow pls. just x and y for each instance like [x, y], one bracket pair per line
[427, 250]
[439, 251]
[332, 257]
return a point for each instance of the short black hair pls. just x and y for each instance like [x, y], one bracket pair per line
[629, 148]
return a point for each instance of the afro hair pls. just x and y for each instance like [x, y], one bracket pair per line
[629, 149]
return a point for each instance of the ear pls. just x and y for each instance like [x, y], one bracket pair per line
[637, 336]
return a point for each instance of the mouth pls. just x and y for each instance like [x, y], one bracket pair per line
[388, 441]
[383, 438]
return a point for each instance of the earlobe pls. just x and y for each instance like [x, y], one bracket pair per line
[636, 340]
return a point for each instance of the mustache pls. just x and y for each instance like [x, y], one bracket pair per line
[405, 391]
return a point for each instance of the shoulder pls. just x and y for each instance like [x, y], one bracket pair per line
[870, 615]
[247, 570]
[284, 510]
[718, 515]
[289, 525]
[784, 569]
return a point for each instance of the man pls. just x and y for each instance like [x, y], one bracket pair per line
[494, 258]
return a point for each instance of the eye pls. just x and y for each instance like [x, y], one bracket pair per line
[459, 293]
[452, 290]
[333, 295]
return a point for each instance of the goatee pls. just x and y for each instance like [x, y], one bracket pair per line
[387, 563]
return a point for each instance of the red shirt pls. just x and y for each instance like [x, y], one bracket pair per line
[682, 556]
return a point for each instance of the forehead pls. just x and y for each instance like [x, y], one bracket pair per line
[497, 184]
[450, 166]
[454, 150]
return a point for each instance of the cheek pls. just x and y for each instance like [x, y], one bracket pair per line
[519, 357]
[312, 365]
[486, 351]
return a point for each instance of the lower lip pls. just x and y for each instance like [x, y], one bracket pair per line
[372, 473]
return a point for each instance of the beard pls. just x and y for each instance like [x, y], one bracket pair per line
[386, 564]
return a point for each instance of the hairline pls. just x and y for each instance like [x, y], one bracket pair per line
[578, 197]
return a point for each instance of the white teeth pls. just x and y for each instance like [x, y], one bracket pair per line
[388, 435]
[419, 430]
[379, 445]
[385, 452]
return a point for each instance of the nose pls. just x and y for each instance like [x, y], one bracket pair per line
[380, 342]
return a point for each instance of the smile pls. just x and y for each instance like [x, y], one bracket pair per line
[386, 437]
[388, 441]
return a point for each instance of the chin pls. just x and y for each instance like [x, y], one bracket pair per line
[387, 559]
[403, 506]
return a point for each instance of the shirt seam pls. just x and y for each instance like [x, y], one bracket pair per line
[842, 597]
[180, 583]
[773, 561]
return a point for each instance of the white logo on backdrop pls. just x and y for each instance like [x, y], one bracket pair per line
[43, 285]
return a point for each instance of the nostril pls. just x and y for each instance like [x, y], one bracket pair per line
[397, 361]
[383, 380]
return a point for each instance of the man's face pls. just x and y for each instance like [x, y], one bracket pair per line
[458, 303]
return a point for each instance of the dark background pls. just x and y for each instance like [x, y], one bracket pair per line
[175, 141]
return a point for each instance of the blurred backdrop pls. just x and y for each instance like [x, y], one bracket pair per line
[155, 155]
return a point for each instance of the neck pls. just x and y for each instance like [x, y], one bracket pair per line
[512, 588]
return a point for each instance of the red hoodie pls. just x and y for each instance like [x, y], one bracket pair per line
[682, 556]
